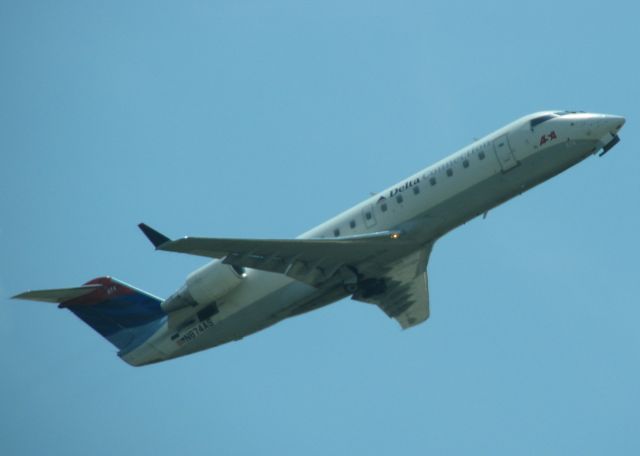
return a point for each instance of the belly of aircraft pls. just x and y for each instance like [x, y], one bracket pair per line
[502, 186]
[260, 314]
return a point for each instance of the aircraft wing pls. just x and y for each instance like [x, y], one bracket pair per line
[313, 261]
[394, 268]
[406, 297]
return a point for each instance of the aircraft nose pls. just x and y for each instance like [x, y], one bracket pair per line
[603, 124]
[608, 127]
[615, 123]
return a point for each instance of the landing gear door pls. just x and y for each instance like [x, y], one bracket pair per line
[504, 153]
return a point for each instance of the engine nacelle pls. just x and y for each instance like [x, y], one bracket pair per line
[204, 286]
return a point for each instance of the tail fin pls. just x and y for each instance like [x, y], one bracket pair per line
[122, 314]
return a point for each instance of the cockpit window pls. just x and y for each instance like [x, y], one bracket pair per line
[538, 120]
[564, 113]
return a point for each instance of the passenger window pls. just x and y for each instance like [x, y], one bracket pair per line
[481, 155]
[432, 181]
[416, 190]
[383, 207]
[336, 232]
[465, 163]
[449, 172]
[352, 224]
[399, 198]
[367, 215]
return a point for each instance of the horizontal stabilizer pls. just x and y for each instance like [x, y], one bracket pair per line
[58, 294]
[121, 313]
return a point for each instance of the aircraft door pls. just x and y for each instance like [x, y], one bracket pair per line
[369, 216]
[503, 151]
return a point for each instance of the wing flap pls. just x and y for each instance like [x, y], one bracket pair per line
[406, 294]
[221, 247]
[411, 307]
[313, 261]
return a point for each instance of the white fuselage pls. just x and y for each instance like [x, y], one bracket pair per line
[424, 207]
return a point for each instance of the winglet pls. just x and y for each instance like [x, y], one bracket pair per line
[156, 238]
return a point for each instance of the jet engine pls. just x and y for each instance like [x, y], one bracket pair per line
[204, 286]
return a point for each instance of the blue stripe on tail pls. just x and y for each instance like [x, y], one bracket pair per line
[124, 315]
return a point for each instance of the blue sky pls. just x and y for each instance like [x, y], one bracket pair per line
[262, 119]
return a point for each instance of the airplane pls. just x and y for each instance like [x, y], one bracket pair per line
[375, 252]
